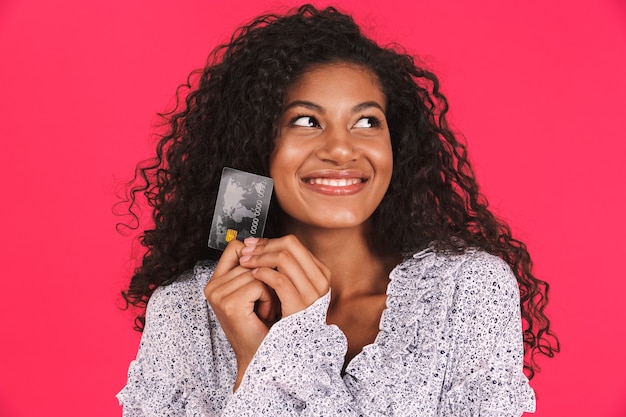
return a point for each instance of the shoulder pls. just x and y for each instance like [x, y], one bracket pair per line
[469, 266]
[188, 281]
[486, 291]
[471, 277]
[486, 276]
[179, 312]
[184, 292]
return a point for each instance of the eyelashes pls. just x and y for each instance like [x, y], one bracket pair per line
[368, 122]
[364, 122]
[304, 121]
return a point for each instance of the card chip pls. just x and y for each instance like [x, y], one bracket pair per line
[231, 234]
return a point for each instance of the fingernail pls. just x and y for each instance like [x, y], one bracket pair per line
[250, 241]
[245, 258]
[248, 249]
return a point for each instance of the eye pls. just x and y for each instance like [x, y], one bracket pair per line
[305, 121]
[367, 122]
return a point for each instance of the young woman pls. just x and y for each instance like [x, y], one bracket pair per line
[384, 287]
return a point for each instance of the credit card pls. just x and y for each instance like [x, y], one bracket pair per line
[243, 201]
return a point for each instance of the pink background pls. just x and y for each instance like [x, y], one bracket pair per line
[538, 88]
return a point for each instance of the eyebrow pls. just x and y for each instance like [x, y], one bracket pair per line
[366, 105]
[310, 105]
[304, 103]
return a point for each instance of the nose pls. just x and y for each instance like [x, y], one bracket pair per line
[338, 146]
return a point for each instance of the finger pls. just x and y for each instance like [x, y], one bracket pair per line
[227, 267]
[254, 241]
[242, 300]
[230, 257]
[307, 260]
[290, 274]
[225, 286]
[223, 290]
[252, 245]
[291, 299]
[289, 256]
[268, 309]
[215, 289]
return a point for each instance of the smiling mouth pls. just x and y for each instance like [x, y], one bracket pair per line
[334, 182]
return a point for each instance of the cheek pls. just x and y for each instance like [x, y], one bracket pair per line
[287, 158]
[282, 171]
[384, 161]
[278, 165]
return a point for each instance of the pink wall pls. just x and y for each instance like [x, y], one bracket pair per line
[537, 89]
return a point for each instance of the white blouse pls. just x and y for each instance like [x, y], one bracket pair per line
[450, 344]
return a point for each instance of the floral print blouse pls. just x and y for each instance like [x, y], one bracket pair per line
[450, 344]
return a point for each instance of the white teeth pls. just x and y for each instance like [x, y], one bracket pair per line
[332, 182]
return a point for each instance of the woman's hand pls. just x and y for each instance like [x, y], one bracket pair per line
[244, 306]
[289, 268]
[254, 281]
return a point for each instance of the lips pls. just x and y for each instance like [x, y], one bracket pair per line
[335, 182]
[331, 182]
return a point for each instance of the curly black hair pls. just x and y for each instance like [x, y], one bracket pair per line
[227, 115]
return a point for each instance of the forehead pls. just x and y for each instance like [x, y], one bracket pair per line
[328, 81]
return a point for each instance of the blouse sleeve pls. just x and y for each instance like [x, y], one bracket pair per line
[297, 370]
[178, 373]
[487, 376]
[182, 366]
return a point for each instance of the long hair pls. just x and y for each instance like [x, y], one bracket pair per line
[227, 116]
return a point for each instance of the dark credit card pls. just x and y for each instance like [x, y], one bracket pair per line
[243, 201]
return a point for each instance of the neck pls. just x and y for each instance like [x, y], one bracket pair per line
[356, 267]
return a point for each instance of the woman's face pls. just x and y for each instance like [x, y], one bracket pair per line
[332, 161]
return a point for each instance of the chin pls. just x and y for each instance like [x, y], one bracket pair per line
[336, 222]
